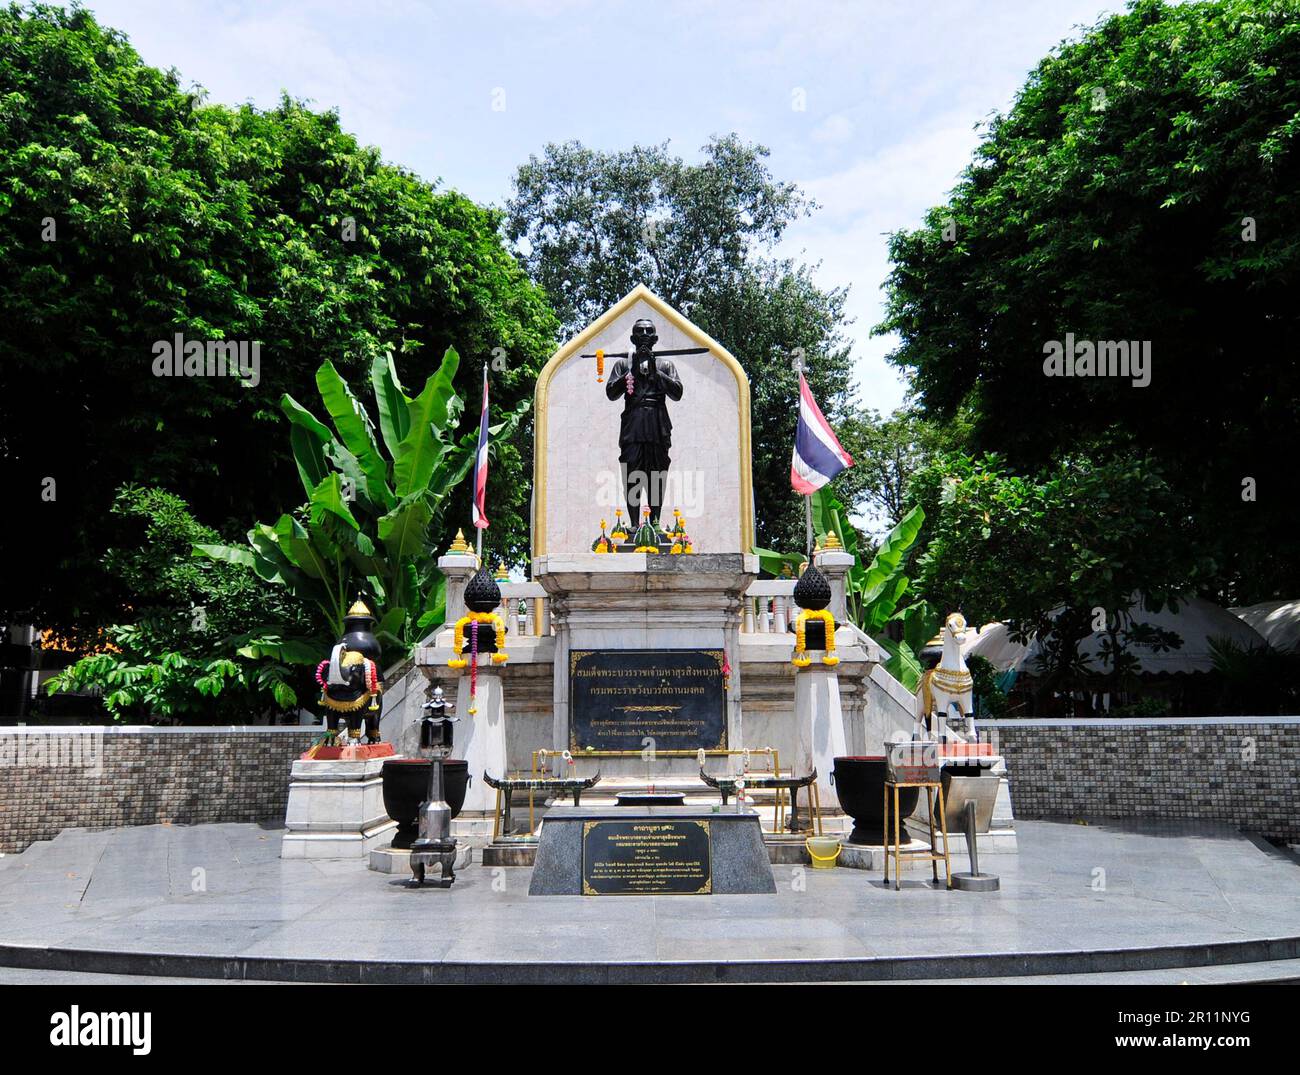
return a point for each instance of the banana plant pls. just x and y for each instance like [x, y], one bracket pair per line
[874, 592]
[375, 493]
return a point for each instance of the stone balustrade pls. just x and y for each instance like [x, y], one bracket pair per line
[768, 608]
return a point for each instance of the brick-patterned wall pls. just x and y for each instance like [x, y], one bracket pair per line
[1241, 770]
[98, 777]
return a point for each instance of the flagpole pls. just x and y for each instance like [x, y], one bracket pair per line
[807, 512]
[480, 523]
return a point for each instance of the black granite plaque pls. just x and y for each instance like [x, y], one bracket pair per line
[647, 857]
[619, 698]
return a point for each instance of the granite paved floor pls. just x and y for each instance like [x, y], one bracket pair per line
[223, 890]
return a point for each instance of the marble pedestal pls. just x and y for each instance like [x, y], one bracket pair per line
[820, 717]
[643, 601]
[480, 738]
[336, 810]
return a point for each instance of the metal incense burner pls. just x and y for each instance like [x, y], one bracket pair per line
[435, 844]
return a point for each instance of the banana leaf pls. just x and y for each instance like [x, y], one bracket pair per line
[354, 427]
[391, 402]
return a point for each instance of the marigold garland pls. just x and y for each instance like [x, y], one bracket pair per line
[474, 620]
[801, 658]
[458, 637]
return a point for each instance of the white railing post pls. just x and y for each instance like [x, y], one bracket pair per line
[759, 618]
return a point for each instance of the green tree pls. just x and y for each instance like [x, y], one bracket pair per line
[1053, 555]
[1142, 187]
[886, 452]
[131, 211]
[203, 642]
[375, 493]
[592, 225]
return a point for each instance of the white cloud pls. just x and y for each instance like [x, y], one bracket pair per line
[833, 129]
[886, 191]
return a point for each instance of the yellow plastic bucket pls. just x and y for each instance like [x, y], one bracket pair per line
[823, 850]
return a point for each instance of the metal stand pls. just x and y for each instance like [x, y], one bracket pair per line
[435, 844]
[974, 881]
[894, 847]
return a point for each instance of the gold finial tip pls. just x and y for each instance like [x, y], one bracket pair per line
[459, 546]
[502, 573]
[359, 609]
[832, 541]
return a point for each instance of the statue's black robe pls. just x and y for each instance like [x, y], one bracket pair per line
[645, 432]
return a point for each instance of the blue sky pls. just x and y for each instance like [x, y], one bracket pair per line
[891, 93]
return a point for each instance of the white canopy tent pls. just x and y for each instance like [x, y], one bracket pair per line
[1277, 621]
[1196, 622]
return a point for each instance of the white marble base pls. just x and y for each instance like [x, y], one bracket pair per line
[336, 810]
[820, 718]
[871, 856]
[337, 845]
[481, 736]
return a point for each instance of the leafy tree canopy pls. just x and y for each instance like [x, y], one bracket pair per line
[1143, 187]
[131, 211]
[1054, 555]
[201, 642]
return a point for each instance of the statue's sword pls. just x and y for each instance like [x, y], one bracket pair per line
[600, 357]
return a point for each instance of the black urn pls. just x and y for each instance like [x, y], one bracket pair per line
[406, 783]
[359, 632]
[813, 592]
[482, 595]
[860, 784]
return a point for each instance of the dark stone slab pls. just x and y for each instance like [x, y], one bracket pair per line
[699, 563]
[574, 839]
[674, 696]
[501, 853]
[651, 798]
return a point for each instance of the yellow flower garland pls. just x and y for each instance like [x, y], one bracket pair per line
[801, 658]
[458, 638]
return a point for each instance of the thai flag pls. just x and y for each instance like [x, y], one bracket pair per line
[479, 508]
[818, 455]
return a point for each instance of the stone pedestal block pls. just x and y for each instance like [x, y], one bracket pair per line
[397, 860]
[647, 602]
[336, 810]
[729, 852]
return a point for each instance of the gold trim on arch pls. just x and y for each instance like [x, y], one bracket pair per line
[575, 345]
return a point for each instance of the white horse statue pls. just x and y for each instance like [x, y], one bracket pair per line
[947, 685]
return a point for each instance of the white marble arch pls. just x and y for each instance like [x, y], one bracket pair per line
[575, 465]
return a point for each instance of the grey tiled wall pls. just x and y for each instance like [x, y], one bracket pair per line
[1243, 771]
[51, 780]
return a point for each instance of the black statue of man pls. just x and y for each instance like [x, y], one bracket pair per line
[646, 382]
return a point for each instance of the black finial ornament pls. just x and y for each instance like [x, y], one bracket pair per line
[813, 590]
[814, 627]
[482, 594]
